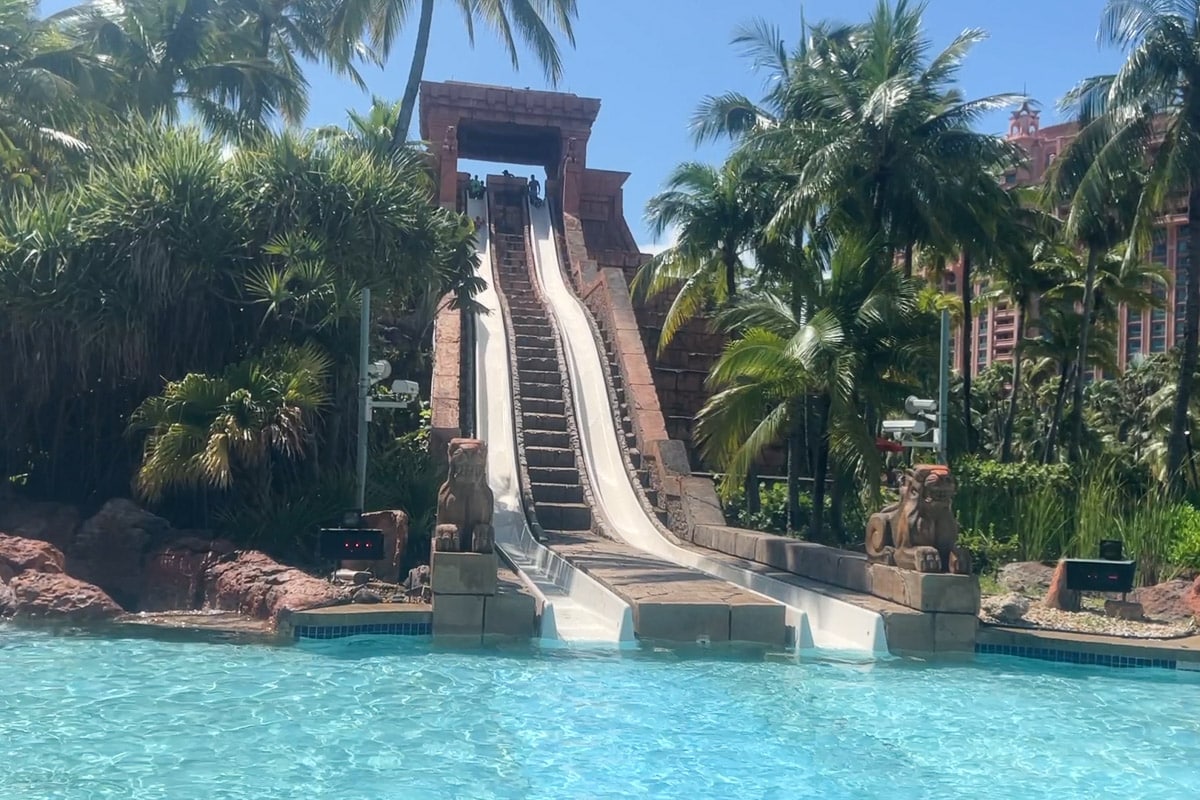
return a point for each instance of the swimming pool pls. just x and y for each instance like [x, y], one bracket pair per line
[398, 717]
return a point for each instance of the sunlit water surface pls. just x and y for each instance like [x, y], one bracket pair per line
[378, 718]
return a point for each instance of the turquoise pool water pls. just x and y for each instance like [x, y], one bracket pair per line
[88, 717]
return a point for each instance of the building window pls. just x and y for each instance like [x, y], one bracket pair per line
[1158, 335]
[1158, 249]
[1133, 333]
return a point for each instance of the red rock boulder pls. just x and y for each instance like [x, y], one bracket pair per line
[20, 555]
[174, 575]
[1058, 596]
[58, 596]
[1193, 598]
[110, 548]
[394, 525]
[1165, 601]
[254, 584]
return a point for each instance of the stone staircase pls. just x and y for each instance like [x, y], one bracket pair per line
[553, 472]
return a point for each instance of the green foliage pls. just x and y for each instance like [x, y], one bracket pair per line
[991, 494]
[989, 550]
[772, 515]
[1185, 545]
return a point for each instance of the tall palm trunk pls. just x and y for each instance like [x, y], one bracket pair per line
[1011, 417]
[1177, 439]
[795, 454]
[1060, 398]
[908, 260]
[816, 528]
[409, 103]
[1089, 292]
[729, 258]
[968, 340]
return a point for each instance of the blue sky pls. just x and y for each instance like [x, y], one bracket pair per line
[652, 61]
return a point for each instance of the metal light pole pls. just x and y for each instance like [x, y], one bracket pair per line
[364, 390]
[943, 387]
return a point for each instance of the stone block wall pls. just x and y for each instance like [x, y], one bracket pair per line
[445, 394]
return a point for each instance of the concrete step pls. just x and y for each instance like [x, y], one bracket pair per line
[564, 516]
[544, 405]
[542, 391]
[565, 476]
[530, 317]
[536, 438]
[537, 376]
[534, 421]
[549, 457]
[524, 340]
[557, 493]
[539, 364]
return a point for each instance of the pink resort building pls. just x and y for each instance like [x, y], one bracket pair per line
[1141, 333]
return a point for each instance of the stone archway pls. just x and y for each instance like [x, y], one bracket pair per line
[516, 126]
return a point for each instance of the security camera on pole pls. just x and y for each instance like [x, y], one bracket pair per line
[927, 416]
[403, 394]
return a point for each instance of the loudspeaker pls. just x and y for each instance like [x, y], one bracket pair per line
[351, 544]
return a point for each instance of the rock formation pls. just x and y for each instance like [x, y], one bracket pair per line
[34, 586]
[1058, 596]
[126, 559]
[1026, 577]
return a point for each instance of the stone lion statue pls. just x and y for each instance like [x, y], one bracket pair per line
[920, 532]
[464, 509]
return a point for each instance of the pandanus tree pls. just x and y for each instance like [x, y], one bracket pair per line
[1150, 109]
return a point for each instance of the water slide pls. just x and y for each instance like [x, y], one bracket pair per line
[821, 622]
[576, 609]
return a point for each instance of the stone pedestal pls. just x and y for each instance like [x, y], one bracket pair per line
[462, 573]
[462, 583]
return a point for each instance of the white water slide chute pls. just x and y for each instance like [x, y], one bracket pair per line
[820, 621]
[576, 609]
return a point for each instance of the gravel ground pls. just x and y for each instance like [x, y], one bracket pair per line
[1092, 620]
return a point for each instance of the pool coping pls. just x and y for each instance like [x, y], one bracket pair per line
[1086, 648]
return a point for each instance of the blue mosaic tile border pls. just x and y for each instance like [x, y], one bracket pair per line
[1072, 657]
[342, 631]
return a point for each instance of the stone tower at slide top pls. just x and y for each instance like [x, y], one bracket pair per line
[551, 130]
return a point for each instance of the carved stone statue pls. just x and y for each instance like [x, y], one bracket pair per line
[920, 532]
[464, 510]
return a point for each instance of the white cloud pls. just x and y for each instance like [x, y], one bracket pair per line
[670, 237]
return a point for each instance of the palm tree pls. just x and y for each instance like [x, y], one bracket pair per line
[533, 21]
[1152, 104]
[194, 52]
[204, 431]
[872, 129]
[46, 88]
[857, 348]
[1112, 282]
[713, 214]
[1024, 268]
